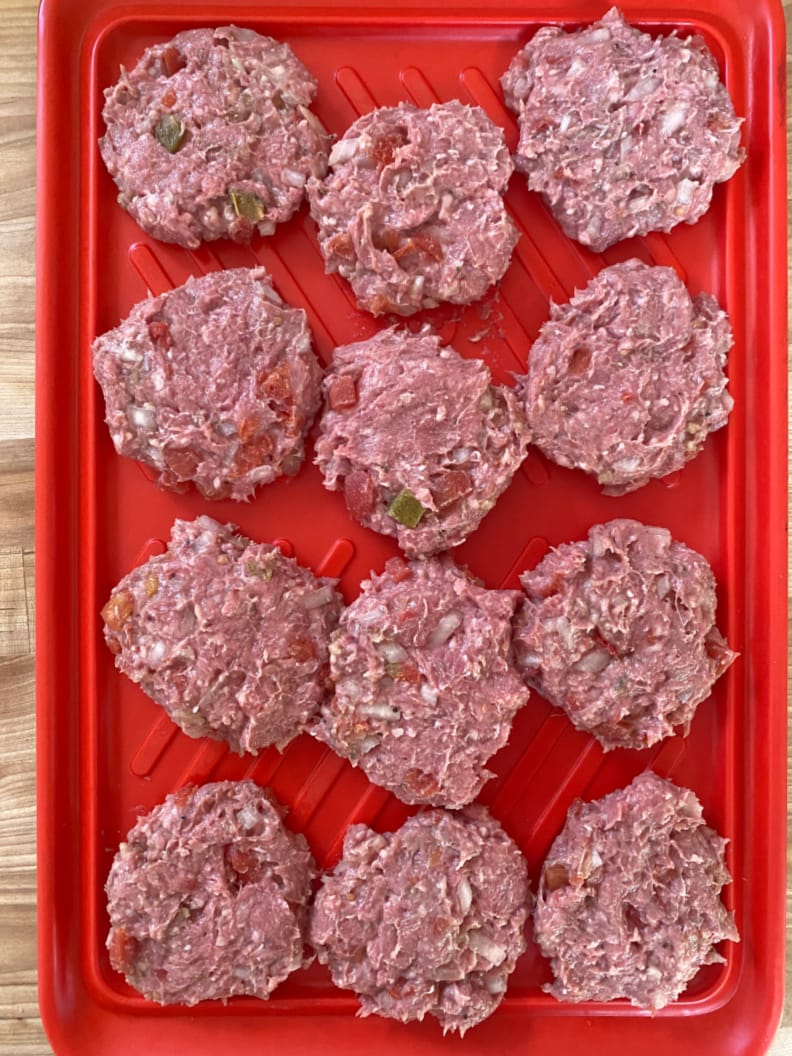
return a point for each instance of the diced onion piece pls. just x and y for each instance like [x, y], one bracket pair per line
[312, 120]
[644, 87]
[495, 984]
[465, 895]
[429, 694]
[685, 191]
[673, 120]
[156, 654]
[392, 652]
[445, 628]
[599, 34]
[142, 417]
[127, 354]
[593, 662]
[486, 948]
[294, 178]
[378, 710]
[342, 151]
[248, 817]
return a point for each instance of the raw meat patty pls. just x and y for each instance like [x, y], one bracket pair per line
[210, 136]
[412, 211]
[428, 919]
[627, 380]
[622, 133]
[425, 687]
[228, 636]
[208, 897]
[419, 439]
[619, 631]
[629, 897]
[214, 382]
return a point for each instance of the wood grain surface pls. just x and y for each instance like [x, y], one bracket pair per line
[21, 1033]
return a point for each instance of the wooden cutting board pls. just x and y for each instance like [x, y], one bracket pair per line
[21, 1033]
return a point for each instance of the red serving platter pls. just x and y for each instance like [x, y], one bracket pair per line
[106, 753]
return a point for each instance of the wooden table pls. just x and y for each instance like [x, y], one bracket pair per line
[21, 1033]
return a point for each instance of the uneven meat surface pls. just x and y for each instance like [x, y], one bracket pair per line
[210, 136]
[214, 383]
[425, 687]
[412, 212]
[629, 898]
[419, 439]
[619, 631]
[621, 132]
[228, 636]
[208, 897]
[626, 381]
[427, 920]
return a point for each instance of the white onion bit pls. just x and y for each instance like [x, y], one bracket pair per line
[465, 895]
[444, 629]
[486, 948]
[342, 151]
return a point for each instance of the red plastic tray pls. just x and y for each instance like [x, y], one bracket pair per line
[105, 752]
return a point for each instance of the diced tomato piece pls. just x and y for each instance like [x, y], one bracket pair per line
[118, 610]
[122, 948]
[579, 361]
[160, 334]
[380, 304]
[452, 486]
[168, 99]
[384, 147]
[244, 864]
[397, 569]
[342, 246]
[173, 60]
[342, 393]
[247, 427]
[276, 385]
[253, 454]
[181, 462]
[421, 783]
[387, 240]
[302, 649]
[404, 672]
[421, 243]
[359, 494]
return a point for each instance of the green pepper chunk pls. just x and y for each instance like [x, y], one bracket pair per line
[170, 132]
[249, 205]
[406, 509]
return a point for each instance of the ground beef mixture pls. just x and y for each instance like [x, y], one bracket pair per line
[214, 383]
[228, 636]
[629, 898]
[425, 920]
[622, 133]
[208, 897]
[210, 136]
[627, 381]
[419, 438]
[412, 212]
[425, 687]
[619, 631]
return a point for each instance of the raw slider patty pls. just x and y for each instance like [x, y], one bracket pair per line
[619, 631]
[228, 636]
[629, 897]
[427, 920]
[626, 381]
[425, 687]
[208, 897]
[622, 133]
[419, 439]
[412, 212]
[214, 383]
[210, 136]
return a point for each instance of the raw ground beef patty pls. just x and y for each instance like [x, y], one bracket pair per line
[619, 631]
[228, 636]
[208, 897]
[425, 687]
[214, 382]
[629, 897]
[412, 211]
[626, 381]
[419, 438]
[425, 920]
[210, 136]
[622, 133]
